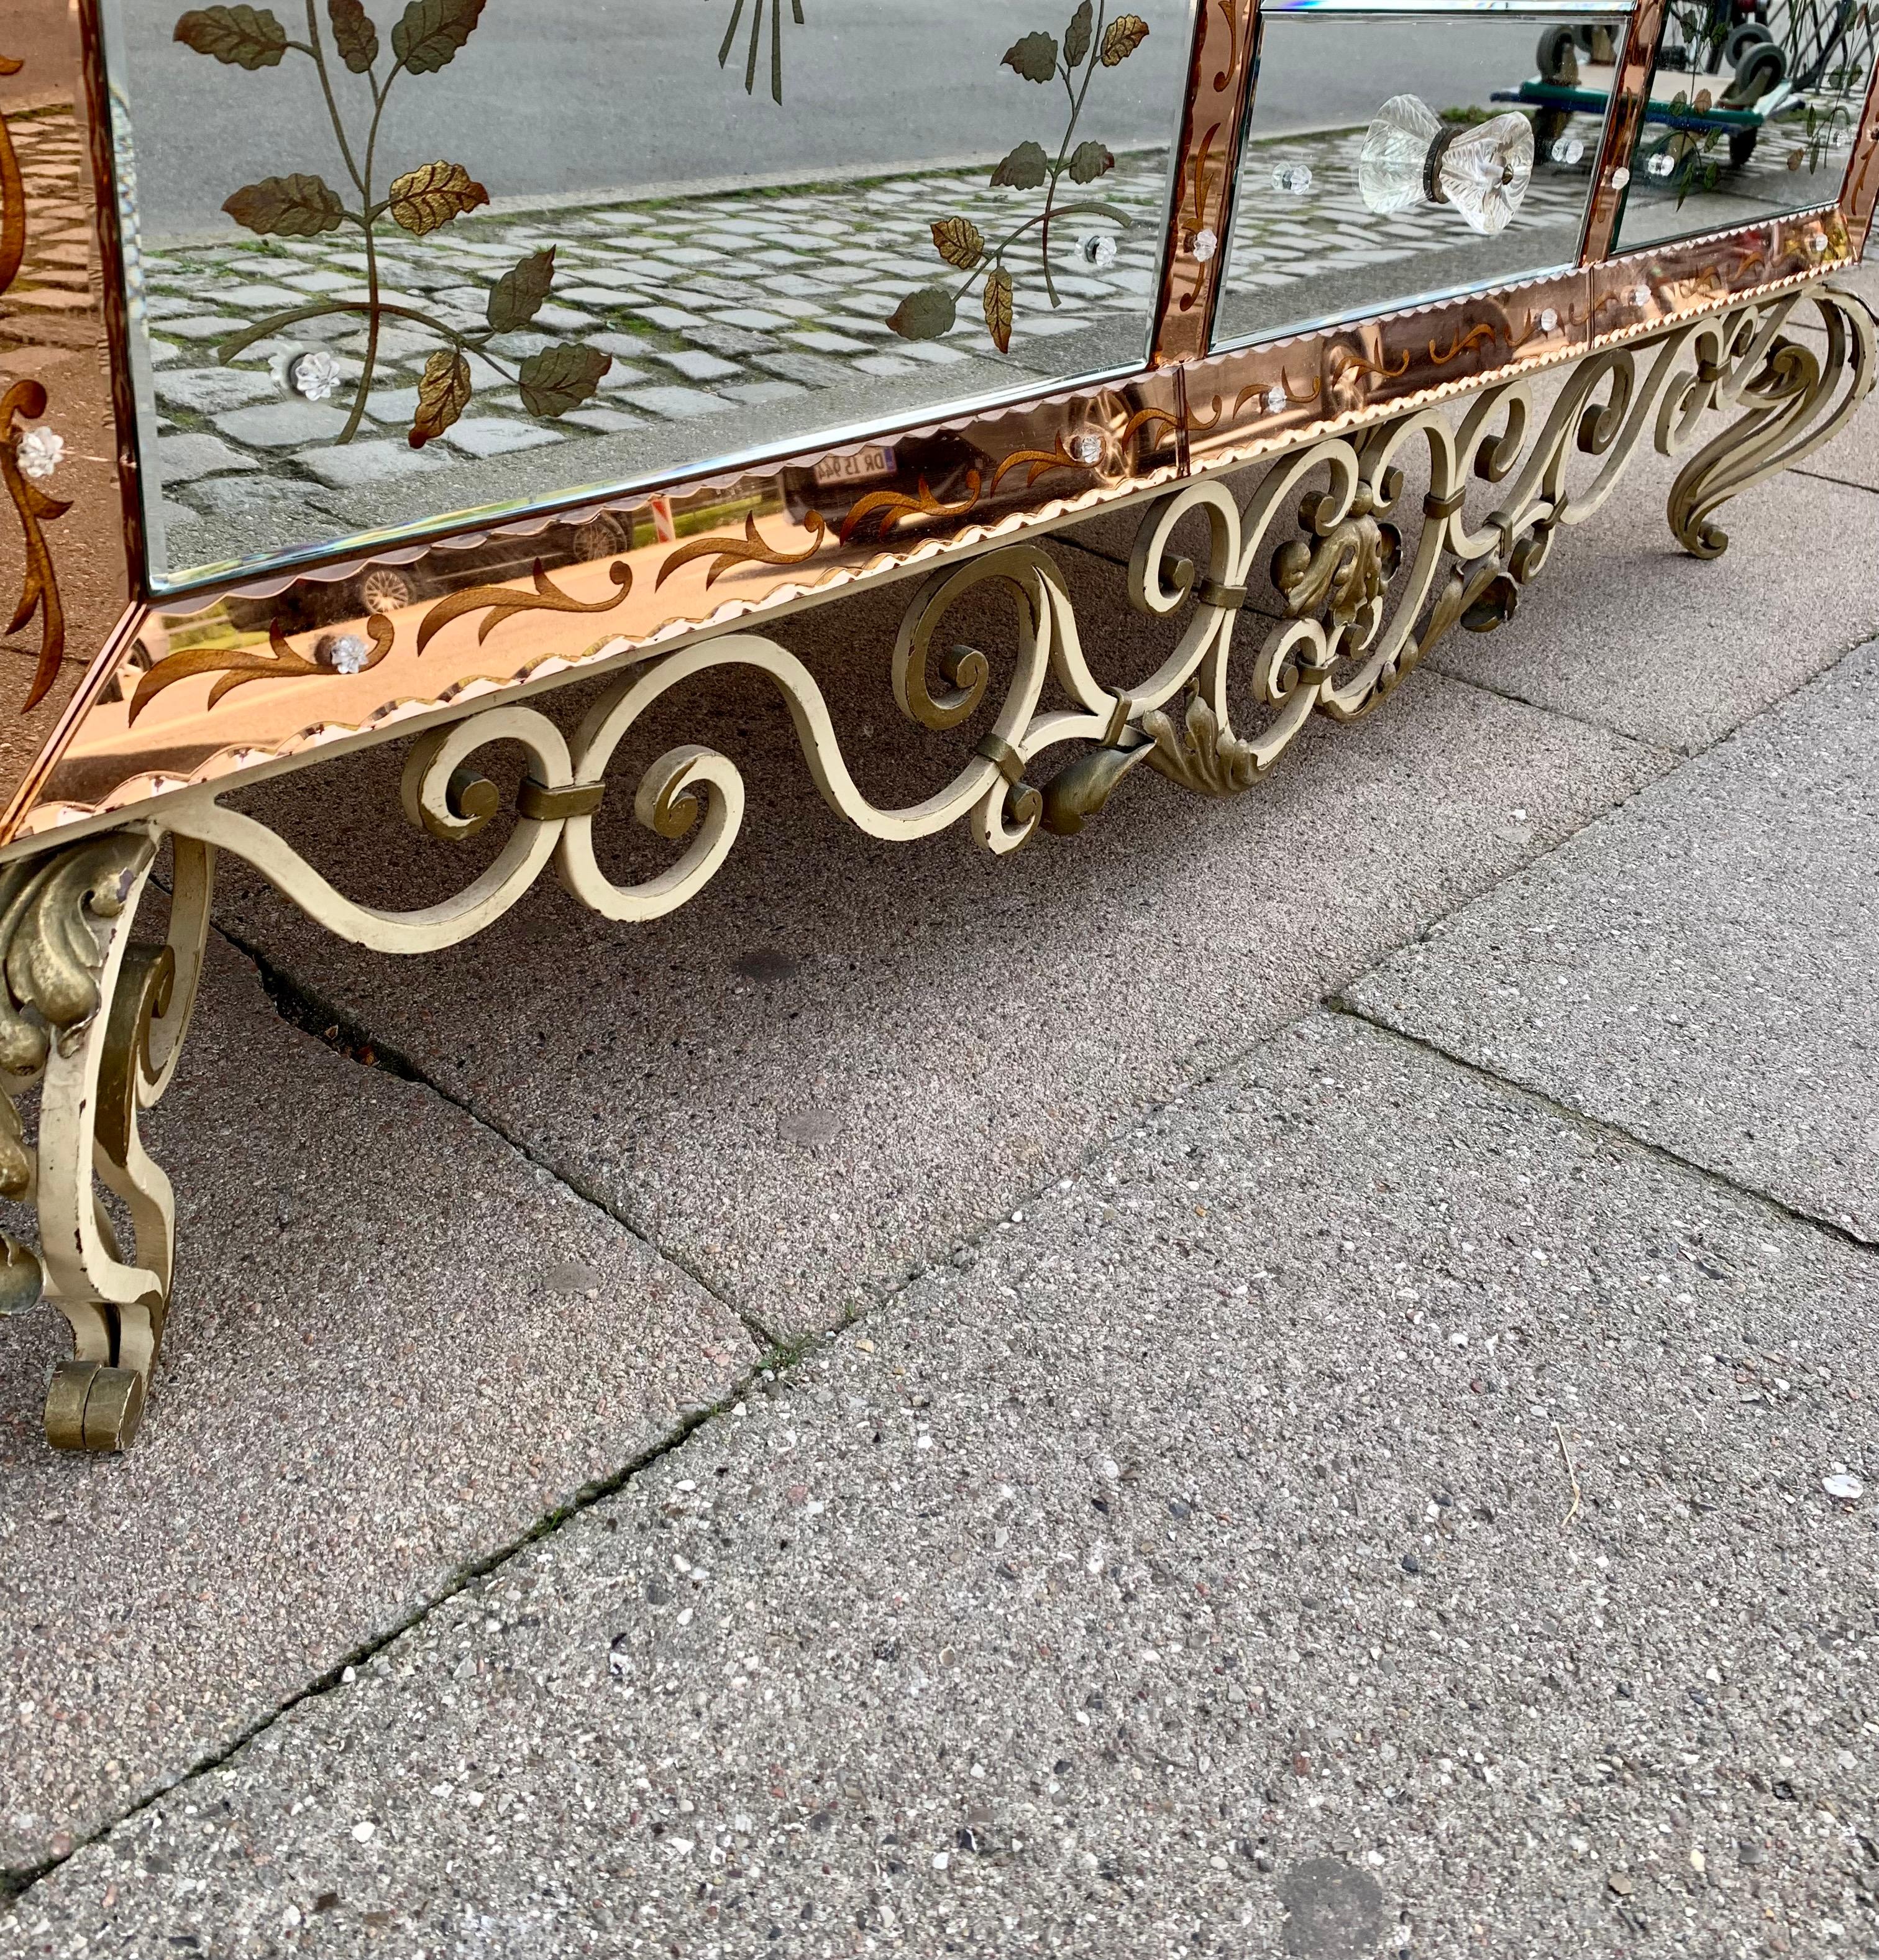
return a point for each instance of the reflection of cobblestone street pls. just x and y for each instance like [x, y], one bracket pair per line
[1284, 236]
[705, 306]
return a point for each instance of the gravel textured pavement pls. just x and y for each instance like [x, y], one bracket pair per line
[1364, 1511]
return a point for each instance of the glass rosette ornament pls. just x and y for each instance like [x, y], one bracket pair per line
[1410, 156]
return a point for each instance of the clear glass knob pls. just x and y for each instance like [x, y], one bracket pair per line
[1277, 400]
[1549, 320]
[1204, 244]
[1098, 248]
[1295, 178]
[1662, 165]
[1567, 152]
[315, 375]
[1087, 449]
[1410, 156]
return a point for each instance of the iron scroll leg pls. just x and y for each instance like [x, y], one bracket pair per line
[99, 1016]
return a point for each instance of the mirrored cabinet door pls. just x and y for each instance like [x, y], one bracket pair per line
[386, 261]
[1395, 156]
[1753, 112]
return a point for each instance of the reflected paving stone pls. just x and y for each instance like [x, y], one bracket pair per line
[976, 1024]
[281, 425]
[1196, 1556]
[368, 1383]
[676, 403]
[495, 435]
[367, 460]
[205, 390]
[182, 458]
[1700, 968]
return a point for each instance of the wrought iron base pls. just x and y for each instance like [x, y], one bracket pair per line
[1361, 588]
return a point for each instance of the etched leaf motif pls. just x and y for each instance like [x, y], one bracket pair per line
[353, 34]
[1077, 36]
[289, 207]
[430, 32]
[1034, 57]
[923, 315]
[1088, 161]
[561, 378]
[959, 242]
[516, 296]
[1126, 33]
[442, 395]
[1024, 168]
[432, 195]
[248, 37]
[998, 307]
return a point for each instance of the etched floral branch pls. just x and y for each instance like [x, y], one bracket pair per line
[1088, 45]
[427, 36]
[756, 38]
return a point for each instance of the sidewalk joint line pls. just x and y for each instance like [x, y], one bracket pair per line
[1603, 1127]
[301, 1008]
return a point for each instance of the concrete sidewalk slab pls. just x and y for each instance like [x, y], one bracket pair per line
[369, 1381]
[1700, 967]
[845, 1055]
[1624, 627]
[1368, 1513]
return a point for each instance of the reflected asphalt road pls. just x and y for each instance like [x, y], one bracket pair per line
[568, 96]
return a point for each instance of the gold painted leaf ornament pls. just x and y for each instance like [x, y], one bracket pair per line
[516, 297]
[924, 315]
[1034, 57]
[998, 312]
[430, 32]
[443, 396]
[1024, 168]
[432, 195]
[1077, 36]
[289, 207]
[248, 37]
[561, 378]
[959, 242]
[1125, 33]
[353, 34]
[1088, 161]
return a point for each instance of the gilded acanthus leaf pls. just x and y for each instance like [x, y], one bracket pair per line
[1034, 57]
[1088, 161]
[432, 195]
[291, 207]
[959, 242]
[353, 34]
[516, 297]
[997, 299]
[1024, 168]
[923, 315]
[442, 395]
[561, 378]
[1077, 36]
[248, 37]
[430, 32]
[1126, 33]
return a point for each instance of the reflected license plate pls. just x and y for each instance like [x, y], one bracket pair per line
[859, 467]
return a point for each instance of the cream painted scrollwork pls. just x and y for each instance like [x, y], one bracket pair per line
[98, 1018]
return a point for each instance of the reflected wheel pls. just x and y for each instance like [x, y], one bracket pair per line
[385, 589]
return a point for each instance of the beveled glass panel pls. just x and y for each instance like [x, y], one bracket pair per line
[1389, 159]
[388, 262]
[1747, 120]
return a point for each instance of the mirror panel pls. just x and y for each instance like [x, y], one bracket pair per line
[1389, 160]
[389, 265]
[1747, 118]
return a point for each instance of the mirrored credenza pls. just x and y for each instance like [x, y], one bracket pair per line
[374, 372]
